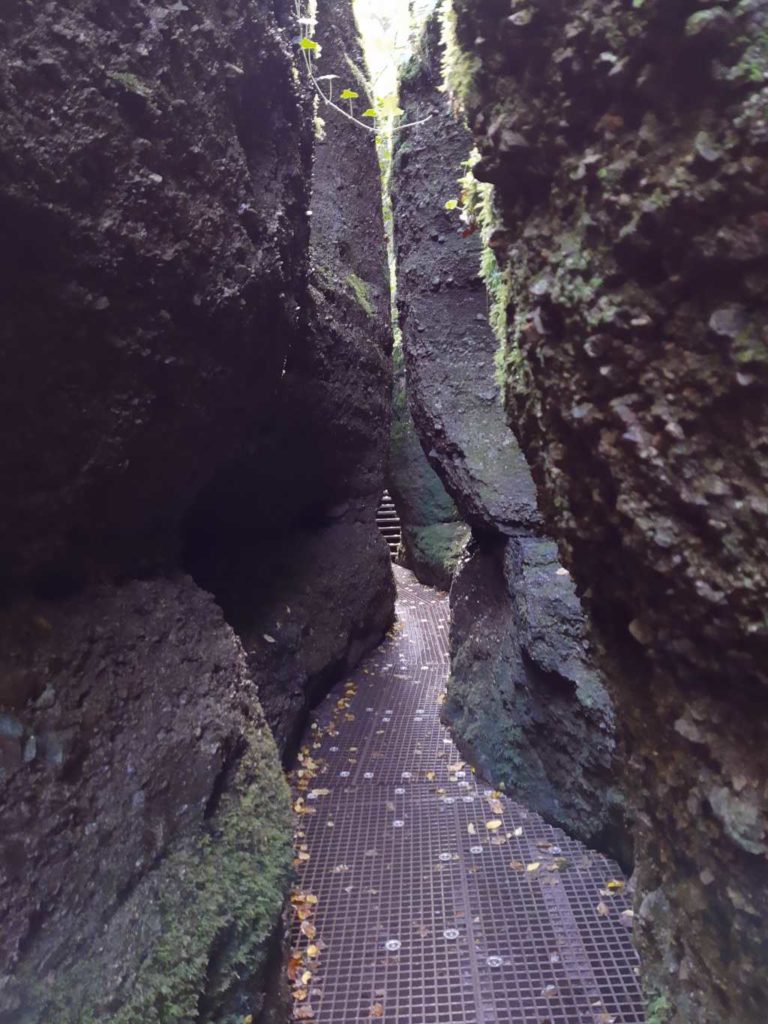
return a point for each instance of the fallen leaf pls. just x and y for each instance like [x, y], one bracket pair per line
[602, 909]
[518, 832]
[377, 1010]
[533, 866]
[615, 885]
[313, 952]
[471, 829]
[494, 825]
[308, 929]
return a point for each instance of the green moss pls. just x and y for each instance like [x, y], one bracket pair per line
[206, 920]
[440, 544]
[231, 884]
[361, 291]
[131, 82]
[659, 1011]
[459, 67]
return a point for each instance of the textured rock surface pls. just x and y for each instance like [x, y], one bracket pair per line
[449, 347]
[433, 534]
[630, 150]
[522, 701]
[173, 385]
[152, 193]
[140, 810]
[286, 537]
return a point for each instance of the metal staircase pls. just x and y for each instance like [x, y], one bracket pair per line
[388, 521]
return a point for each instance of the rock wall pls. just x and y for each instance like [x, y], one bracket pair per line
[629, 147]
[433, 533]
[558, 755]
[186, 403]
[286, 532]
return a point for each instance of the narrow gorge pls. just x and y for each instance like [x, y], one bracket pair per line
[264, 262]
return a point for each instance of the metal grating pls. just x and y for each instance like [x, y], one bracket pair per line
[410, 910]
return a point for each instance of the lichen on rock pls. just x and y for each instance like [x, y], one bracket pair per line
[627, 147]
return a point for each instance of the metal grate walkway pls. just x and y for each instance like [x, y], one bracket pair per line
[425, 897]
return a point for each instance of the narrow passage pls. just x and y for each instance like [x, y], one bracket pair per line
[424, 896]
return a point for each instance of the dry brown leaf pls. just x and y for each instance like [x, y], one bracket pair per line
[377, 1011]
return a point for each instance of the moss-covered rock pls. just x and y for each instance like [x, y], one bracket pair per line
[628, 144]
[147, 827]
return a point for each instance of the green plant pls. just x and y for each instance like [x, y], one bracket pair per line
[362, 294]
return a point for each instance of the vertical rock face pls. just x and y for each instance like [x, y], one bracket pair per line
[434, 535]
[522, 698]
[153, 187]
[176, 394]
[629, 146]
[286, 536]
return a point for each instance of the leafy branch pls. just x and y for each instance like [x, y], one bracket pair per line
[387, 108]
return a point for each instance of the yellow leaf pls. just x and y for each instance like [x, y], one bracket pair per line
[615, 885]
[533, 866]
[308, 929]
[495, 825]
[313, 952]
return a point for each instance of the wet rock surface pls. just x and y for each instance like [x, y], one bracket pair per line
[181, 389]
[629, 149]
[523, 700]
[449, 346]
[433, 533]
